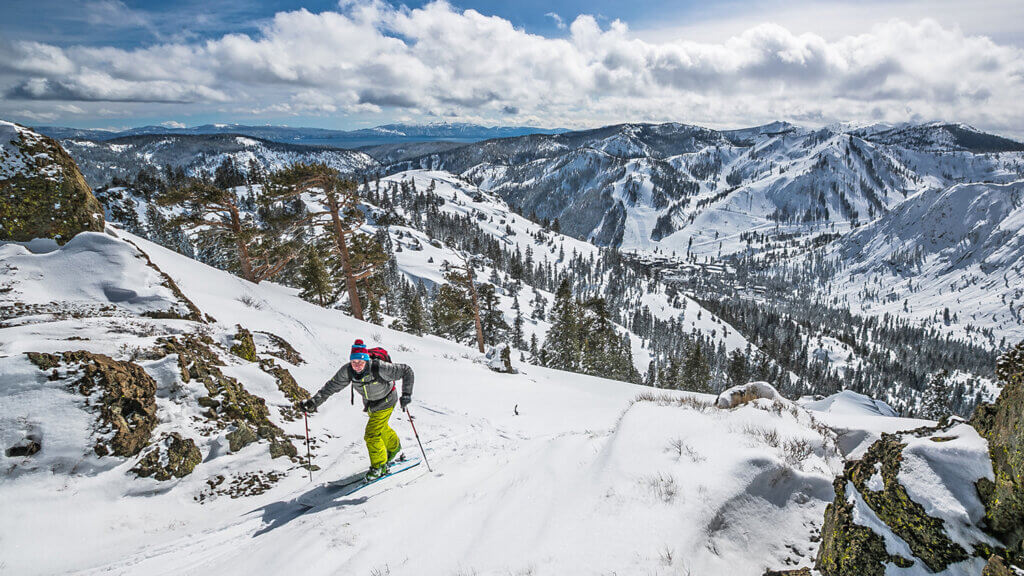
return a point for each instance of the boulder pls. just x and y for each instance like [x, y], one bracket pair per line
[909, 502]
[42, 192]
[241, 437]
[499, 359]
[171, 457]
[124, 394]
[744, 393]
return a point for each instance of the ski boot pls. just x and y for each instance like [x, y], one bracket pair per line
[376, 472]
[395, 456]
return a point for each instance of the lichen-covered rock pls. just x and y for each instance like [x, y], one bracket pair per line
[241, 437]
[171, 457]
[288, 386]
[274, 345]
[227, 401]
[244, 347]
[909, 502]
[42, 192]
[848, 549]
[996, 566]
[1002, 424]
[124, 394]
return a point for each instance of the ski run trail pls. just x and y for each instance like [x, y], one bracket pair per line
[538, 473]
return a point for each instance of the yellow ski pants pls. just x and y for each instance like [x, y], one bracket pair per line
[380, 438]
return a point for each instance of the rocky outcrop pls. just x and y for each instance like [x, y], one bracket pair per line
[122, 392]
[1002, 424]
[42, 192]
[171, 457]
[228, 403]
[244, 347]
[875, 521]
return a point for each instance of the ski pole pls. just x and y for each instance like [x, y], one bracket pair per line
[415, 433]
[309, 456]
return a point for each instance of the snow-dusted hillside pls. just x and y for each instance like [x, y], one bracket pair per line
[542, 472]
[494, 216]
[123, 157]
[952, 256]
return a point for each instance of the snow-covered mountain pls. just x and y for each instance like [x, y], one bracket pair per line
[944, 253]
[123, 157]
[379, 135]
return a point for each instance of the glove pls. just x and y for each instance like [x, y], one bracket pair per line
[404, 401]
[306, 405]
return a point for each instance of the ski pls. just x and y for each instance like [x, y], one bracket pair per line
[350, 484]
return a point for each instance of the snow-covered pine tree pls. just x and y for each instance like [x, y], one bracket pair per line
[492, 319]
[935, 400]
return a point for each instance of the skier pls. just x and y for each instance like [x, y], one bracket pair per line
[374, 380]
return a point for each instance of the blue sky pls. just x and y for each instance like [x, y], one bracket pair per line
[357, 63]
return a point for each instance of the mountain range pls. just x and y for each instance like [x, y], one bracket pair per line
[386, 134]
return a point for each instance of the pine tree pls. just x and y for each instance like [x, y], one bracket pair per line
[737, 370]
[315, 279]
[491, 318]
[261, 253]
[563, 343]
[340, 218]
[452, 314]
[935, 402]
[517, 323]
[696, 376]
[415, 315]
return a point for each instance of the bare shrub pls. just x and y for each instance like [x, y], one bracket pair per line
[680, 448]
[251, 302]
[766, 435]
[666, 399]
[796, 451]
[663, 486]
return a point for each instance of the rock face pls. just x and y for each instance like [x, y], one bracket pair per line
[123, 392]
[171, 457]
[228, 402]
[909, 502]
[42, 192]
[1002, 424]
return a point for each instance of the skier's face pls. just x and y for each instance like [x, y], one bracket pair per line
[359, 365]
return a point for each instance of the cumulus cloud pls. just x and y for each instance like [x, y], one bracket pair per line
[371, 57]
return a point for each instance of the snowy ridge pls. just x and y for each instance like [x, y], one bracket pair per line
[102, 160]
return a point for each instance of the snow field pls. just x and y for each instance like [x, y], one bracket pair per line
[540, 473]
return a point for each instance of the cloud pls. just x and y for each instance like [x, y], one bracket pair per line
[558, 20]
[372, 57]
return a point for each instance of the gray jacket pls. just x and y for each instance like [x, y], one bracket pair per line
[378, 394]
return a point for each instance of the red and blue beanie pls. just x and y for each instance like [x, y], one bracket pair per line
[359, 352]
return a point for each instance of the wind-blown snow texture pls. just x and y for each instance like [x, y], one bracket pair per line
[542, 472]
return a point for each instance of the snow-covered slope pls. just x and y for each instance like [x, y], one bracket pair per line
[959, 249]
[542, 472]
